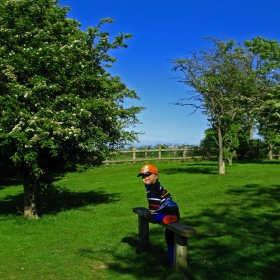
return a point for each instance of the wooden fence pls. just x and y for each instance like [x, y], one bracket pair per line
[173, 153]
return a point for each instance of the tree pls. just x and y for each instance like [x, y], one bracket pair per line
[58, 103]
[232, 84]
[217, 77]
[269, 120]
[267, 61]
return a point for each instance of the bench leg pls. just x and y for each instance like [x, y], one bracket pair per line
[181, 248]
[143, 226]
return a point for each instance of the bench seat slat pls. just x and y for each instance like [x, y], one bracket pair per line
[178, 228]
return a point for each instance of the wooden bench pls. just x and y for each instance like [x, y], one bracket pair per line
[182, 232]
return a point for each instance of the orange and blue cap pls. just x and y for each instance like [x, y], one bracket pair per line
[148, 169]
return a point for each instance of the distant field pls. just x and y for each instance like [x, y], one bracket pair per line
[88, 230]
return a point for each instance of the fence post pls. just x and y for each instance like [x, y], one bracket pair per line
[146, 152]
[159, 151]
[184, 151]
[134, 154]
[174, 150]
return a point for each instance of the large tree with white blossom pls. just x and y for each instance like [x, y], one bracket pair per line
[58, 104]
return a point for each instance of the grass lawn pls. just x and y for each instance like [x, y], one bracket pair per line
[88, 230]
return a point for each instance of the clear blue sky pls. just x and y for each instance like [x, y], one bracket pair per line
[169, 29]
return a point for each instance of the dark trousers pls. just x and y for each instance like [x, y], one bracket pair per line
[169, 235]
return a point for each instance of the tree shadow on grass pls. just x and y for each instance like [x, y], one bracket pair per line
[57, 200]
[66, 200]
[268, 162]
[193, 168]
[236, 239]
[240, 240]
[145, 266]
[9, 181]
[204, 167]
[151, 264]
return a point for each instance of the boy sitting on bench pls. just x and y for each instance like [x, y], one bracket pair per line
[162, 207]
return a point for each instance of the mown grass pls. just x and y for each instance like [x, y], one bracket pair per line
[88, 230]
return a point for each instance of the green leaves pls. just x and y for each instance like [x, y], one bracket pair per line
[234, 84]
[56, 98]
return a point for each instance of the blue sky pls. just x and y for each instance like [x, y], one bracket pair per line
[169, 29]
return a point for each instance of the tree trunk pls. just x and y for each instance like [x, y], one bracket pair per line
[221, 163]
[30, 188]
[229, 161]
[270, 152]
[222, 167]
[30, 199]
[251, 135]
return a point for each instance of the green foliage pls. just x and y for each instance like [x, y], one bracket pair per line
[58, 103]
[218, 78]
[236, 86]
[267, 61]
[210, 141]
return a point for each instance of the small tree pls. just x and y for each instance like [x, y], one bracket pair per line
[58, 103]
[217, 77]
[269, 121]
[231, 83]
[267, 57]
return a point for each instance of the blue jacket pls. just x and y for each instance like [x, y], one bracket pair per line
[159, 199]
